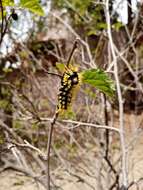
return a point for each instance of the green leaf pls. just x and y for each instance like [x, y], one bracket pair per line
[7, 3]
[100, 80]
[101, 25]
[33, 6]
[91, 32]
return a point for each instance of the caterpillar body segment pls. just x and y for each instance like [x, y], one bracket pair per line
[69, 83]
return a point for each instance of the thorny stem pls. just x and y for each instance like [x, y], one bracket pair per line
[121, 116]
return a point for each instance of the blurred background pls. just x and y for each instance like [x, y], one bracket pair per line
[35, 38]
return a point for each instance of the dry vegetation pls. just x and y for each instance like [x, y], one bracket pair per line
[99, 146]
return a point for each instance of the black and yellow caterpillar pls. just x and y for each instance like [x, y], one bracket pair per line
[70, 81]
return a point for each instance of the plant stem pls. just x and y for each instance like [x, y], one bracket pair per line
[72, 52]
[49, 149]
[2, 24]
[120, 100]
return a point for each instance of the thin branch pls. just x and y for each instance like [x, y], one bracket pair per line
[135, 183]
[34, 112]
[51, 73]
[72, 52]
[49, 150]
[2, 24]
[91, 62]
[3, 28]
[19, 140]
[27, 172]
[120, 100]
[30, 146]
[80, 123]
[106, 157]
[107, 130]
[81, 179]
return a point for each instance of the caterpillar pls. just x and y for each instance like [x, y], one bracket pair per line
[70, 80]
